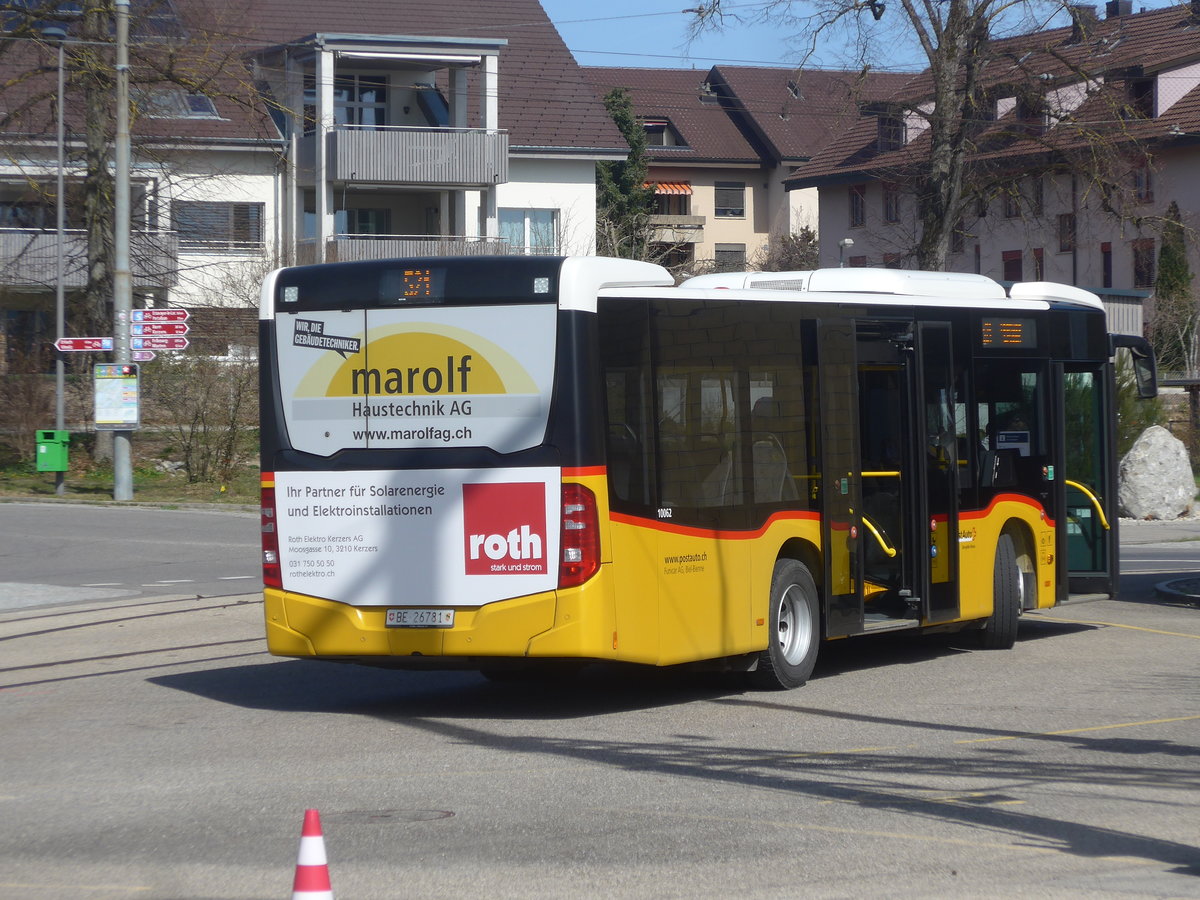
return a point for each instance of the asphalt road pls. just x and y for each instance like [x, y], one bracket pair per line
[63, 553]
[150, 748]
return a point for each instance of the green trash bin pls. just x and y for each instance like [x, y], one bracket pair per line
[52, 450]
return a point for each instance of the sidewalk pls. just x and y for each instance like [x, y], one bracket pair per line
[1138, 531]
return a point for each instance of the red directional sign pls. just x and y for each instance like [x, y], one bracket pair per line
[159, 315]
[137, 329]
[77, 344]
[158, 343]
[142, 355]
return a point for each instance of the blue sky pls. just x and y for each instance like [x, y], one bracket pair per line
[654, 33]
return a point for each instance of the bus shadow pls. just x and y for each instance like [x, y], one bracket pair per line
[323, 687]
[556, 693]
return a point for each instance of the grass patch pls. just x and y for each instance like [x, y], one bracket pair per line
[149, 486]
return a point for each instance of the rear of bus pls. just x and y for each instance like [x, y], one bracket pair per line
[432, 459]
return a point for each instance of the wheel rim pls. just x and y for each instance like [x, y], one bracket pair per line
[795, 625]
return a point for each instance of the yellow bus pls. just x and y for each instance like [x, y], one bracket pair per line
[498, 462]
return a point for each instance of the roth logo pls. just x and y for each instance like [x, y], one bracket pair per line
[504, 526]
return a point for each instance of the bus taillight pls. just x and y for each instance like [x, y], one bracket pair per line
[580, 536]
[272, 575]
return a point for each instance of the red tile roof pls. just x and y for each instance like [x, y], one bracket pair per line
[1139, 44]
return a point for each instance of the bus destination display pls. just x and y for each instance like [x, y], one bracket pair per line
[1010, 334]
[418, 284]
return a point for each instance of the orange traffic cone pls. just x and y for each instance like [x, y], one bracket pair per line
[312, 869]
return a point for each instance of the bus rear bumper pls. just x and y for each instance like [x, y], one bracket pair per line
[555, 624]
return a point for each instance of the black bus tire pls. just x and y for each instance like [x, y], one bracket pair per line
[794, 623]
[1000, 629]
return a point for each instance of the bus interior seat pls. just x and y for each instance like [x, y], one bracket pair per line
[773, 480]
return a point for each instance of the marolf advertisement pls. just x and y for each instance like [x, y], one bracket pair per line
[459, 537]
[409, 378]
[400, 378]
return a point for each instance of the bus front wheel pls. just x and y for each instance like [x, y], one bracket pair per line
[1000, 629]
[794, 629]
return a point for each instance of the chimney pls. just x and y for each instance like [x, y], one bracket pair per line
[1083, 20]
[1114, 9]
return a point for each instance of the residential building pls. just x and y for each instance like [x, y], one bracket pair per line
[309, 132]
[1124, 89]
[721, 143]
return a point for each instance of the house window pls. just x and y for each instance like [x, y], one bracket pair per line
[957, 238]
[893, 260]
[1139, 95]
[174, 103]
[363, 221]
[857, 262]
[660, 133]
[1038, 198]
[858, 205]
[1012, 201]
[978, 261]
[532, 232]
[1013, 267]
[1066, 232]
[730, 200]
[1106, 264]
[218, 226]
[891, 203]
[1039, 264]
[360, 100]
[891, 132]
[730, 257]
[981, 206]
[1143, 263]
[1143, 183]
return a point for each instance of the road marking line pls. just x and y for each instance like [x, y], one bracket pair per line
[235, 577]
[104, 584]
[174, 581]
[1034, 734]
[1129, 627]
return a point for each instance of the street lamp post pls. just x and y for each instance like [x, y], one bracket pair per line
[122, 277]
[842, 245]
[60, 483]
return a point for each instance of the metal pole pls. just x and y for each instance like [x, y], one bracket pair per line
[122, 278]
[60, 484]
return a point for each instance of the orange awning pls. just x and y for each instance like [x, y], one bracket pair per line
[667, 187]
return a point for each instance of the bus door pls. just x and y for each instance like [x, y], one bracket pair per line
[891, 475]
[1088, 542]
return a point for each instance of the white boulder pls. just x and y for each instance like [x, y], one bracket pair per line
[1155, 478]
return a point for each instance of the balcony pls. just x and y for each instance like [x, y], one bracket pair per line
[356, 247]
[677, 229]
[446, 157]
[29, 259]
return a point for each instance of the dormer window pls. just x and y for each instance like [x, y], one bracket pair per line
[891, 132]
[1032, 114]
[660, 133]
[1139, 98]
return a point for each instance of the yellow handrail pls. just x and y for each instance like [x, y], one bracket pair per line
[1094, 500]
[887, 548]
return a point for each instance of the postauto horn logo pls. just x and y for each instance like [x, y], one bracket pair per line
[418, 360]
[504, 528]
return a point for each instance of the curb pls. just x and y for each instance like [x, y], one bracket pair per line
[1186, 589]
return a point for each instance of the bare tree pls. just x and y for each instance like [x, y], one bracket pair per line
[943, 141]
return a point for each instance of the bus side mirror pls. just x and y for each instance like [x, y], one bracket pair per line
[1145, 376]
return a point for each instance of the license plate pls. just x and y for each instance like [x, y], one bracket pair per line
[420, 618]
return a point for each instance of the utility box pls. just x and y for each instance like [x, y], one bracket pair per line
[52, 450]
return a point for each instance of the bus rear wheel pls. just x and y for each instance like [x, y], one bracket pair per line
[794, 629]
[1000, 629]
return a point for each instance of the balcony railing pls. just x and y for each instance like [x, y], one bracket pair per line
[355, 247]
[448, 157]
[29, 258]
[677, 229]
